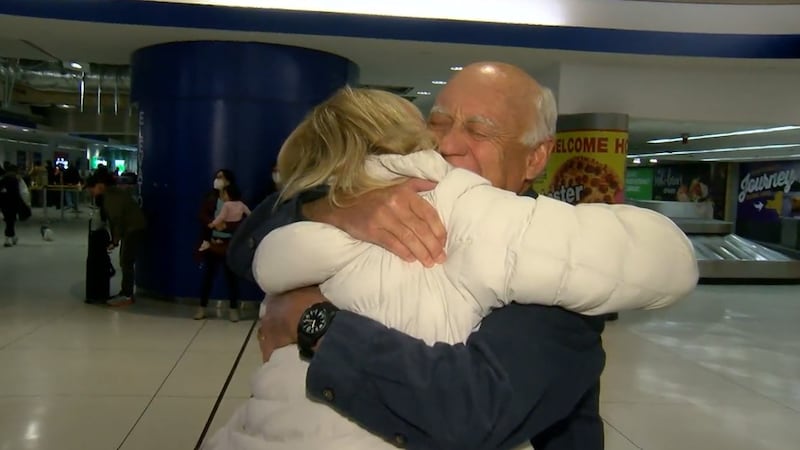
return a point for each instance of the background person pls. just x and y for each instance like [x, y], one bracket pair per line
[12, 203]
[213, 253]
[128, 225]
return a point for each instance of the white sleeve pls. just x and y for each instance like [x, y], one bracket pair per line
[302, 254]
[591, 258]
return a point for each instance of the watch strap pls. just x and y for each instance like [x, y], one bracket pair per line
[306, 345]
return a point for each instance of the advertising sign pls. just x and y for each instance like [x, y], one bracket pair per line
[639, 183]
[769, 191]
[698, 183]
[586, 167]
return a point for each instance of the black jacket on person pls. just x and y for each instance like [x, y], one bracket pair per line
[72, 176]
[10, 197]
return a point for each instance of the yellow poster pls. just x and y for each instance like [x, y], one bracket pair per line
[586, 167]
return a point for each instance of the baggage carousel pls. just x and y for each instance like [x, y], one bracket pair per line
[722, 254]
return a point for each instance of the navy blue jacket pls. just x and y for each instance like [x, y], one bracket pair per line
[530, 373]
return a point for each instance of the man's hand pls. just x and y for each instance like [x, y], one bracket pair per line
[278, 327]
[395, 218]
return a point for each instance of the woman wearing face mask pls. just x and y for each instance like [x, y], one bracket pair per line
[215, 244]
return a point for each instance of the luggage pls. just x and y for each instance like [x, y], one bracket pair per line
[99, 269]
[46, 232]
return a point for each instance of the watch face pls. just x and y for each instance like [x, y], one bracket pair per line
[314, 321]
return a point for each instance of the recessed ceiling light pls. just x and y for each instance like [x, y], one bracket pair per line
[423, 93]
[25, 129]
[456, 68]
[3, 126]
[439, 82]
[653, 160]
[733, 133]
[66, 106]
[637, 160]
[75, 65]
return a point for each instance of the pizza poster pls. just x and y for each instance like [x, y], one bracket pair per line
[586, 167]
[768, 191]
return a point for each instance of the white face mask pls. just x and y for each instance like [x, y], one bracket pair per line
[219, 184]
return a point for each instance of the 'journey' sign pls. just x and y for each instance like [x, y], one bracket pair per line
[769, 191]
[781, 180]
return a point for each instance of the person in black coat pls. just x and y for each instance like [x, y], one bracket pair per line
[11, 203]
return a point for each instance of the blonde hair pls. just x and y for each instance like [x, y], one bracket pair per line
[332, 143]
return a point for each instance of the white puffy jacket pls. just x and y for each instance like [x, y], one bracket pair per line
[592, 258]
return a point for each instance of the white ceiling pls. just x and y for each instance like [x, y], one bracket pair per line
[384, 62]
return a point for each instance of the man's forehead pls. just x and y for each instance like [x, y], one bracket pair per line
[478, 115]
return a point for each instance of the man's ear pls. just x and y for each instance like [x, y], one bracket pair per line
[537, 159]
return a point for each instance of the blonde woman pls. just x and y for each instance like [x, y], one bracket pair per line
[592, 259]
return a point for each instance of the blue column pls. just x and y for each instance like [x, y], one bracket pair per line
[206, 106]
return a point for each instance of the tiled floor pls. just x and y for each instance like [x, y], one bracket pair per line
[719, 371]
[76, 376]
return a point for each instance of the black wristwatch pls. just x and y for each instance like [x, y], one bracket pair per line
[314, 322]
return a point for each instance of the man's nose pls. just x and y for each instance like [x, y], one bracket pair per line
[450, 144]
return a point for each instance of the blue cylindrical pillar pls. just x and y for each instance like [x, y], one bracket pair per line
[205, 106]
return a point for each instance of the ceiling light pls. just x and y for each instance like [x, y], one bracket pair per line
[66, 106]
[637, 160]
[653, 161]
[439, 82]
[14, 141]
[3, 126]
[751, 158]
[733, 133]
[423, 93]
[75, 65]
[25, 129]
[547, 12]
[721, 150]
[456, 68]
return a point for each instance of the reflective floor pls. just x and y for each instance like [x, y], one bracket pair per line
[719, 371]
